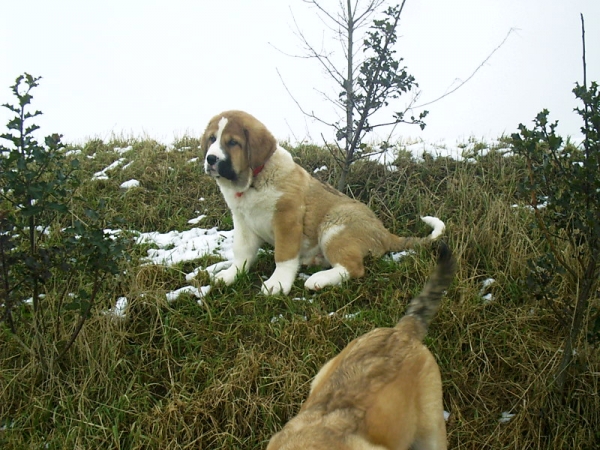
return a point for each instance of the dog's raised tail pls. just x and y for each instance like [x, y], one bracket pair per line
[437, 225]
[398, 243]
[425, 305]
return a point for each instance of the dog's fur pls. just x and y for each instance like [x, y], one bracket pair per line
[383, 391]
[272, 199]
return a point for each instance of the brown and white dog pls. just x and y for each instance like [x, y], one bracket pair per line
[272, 199]
[383, 391]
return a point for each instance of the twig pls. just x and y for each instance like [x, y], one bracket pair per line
[82, 319]
[472, 74]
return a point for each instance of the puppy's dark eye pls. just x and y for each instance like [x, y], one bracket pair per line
[232, 143]
[212, 138]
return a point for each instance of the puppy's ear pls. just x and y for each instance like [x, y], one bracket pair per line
[260, 144]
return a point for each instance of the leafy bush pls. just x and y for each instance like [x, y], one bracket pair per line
[46, 251]
[563, 188]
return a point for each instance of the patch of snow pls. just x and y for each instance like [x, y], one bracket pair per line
[180, 246]
[101, 175]
[506, 417]
[397, 256]
[119, 309]
[197, 219]
[487, 283]
[130, 184]
[487, 298]
[193, 274]
[278, 318]
[199, 293]
[120, 150]
[217, 267]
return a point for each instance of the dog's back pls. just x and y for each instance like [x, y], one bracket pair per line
[383, 391]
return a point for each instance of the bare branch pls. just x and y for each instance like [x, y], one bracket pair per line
[311, 115]
[472, 74]
[369, 11]
[335, 20]
[323, 59]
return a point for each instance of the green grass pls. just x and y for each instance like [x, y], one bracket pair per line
[230, 372]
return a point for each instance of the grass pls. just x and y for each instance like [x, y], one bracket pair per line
[230, 372]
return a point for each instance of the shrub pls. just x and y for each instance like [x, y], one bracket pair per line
[49, 256]
[563, 188]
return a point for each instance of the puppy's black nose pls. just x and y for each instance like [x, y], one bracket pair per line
[211, 160]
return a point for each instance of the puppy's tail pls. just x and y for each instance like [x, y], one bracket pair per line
[403, 243]
[425, 305]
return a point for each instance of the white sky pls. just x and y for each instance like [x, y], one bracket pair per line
[162, 68]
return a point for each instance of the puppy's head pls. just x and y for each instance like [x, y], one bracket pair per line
[236, 145]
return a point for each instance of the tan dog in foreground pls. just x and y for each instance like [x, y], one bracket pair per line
[383, 391]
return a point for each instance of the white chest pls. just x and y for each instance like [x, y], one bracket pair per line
[254, 210]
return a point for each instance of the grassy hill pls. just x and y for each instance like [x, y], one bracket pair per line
[230, 370]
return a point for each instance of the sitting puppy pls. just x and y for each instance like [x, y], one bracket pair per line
[272, 199]
[383, 391]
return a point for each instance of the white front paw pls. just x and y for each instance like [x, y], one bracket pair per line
[274, 286]
[227, 276]
[282, 279]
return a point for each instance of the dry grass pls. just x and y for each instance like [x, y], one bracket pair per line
[225, 375]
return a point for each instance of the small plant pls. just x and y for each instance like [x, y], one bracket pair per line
[50, 256]
[563, 189]
[370, 81]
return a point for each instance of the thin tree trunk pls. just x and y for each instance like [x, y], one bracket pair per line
[583, 296]
[349, 138]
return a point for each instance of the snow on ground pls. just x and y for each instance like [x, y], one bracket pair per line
[506, 417]
[180, 246]
[130, 184]
[484, 287]
[101, 175]
[73, 152]
[120, 151]
[119, 309]
[397, 256]
[197, 219]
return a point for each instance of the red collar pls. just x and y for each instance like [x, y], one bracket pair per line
[255, 172]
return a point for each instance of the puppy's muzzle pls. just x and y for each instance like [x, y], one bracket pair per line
[211, 161]
[216, 167]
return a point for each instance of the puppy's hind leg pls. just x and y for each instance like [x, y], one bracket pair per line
[330, 277]
[346, 262]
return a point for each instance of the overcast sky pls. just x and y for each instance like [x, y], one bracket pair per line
[163, 68]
